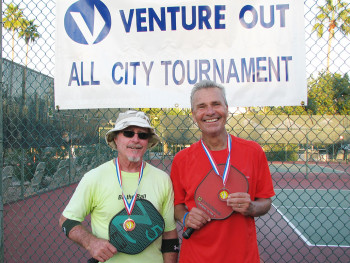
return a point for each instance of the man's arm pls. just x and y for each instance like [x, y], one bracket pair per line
[241, 203]
[180, 210]
[170, 257]
[259, 207]
[98, 248]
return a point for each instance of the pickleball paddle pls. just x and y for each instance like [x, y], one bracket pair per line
[132, 234]
[211, 195]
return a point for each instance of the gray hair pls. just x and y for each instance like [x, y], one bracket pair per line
[207, 84]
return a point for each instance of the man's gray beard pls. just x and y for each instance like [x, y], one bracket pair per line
[134, 159]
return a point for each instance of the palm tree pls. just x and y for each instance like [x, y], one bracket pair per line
[29, 33]
[13, 20]
[332, 16]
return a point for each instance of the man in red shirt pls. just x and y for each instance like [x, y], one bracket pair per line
[233, 239]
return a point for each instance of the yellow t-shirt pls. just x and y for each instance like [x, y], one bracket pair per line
[100, 195]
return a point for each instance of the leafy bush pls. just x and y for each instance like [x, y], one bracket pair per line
[281, 152]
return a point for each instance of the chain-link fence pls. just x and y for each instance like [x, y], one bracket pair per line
[46, 151]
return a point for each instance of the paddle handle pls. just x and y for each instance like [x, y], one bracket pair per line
[187, 234]
[92, 260]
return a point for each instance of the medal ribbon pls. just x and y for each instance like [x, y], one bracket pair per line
[129, 206]
[213, 163]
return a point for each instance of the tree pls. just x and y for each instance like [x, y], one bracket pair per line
[13, 20]
[29, 33]
[332, 16]
[286, 110]
[329, 94]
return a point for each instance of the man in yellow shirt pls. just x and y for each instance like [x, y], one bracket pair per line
[117, 185]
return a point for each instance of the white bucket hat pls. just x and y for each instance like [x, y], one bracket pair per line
[132, 118]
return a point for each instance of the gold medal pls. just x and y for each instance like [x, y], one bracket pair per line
[129, 225]
[223, 194]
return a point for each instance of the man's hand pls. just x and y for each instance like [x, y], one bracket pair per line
[240, 202]
[101, 249]
[196, 218]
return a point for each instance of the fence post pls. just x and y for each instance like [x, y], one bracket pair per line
[23, 164]
[70, 157]
[1, 151]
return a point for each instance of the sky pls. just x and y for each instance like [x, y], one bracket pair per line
[316, 49]
[41, 55]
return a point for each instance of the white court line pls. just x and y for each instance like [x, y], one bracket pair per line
[308, 189]
[313, 207]
[296, 230]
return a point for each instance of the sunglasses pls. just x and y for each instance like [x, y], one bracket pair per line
[141, 135]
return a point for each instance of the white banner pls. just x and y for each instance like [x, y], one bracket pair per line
[150, 53]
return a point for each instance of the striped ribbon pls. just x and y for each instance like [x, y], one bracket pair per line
[129, 206]
[213, 163]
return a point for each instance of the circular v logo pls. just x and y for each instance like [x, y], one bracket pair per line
[87, 22]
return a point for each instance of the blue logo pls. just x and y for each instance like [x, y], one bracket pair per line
[87, 22]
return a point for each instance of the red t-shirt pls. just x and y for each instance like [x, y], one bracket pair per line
[233, 239]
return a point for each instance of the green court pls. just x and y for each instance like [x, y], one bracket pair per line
[321, 217]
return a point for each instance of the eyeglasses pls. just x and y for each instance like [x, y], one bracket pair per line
[141, 135]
